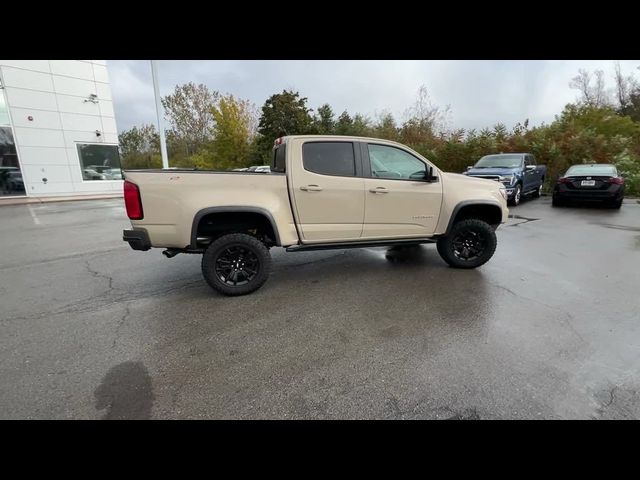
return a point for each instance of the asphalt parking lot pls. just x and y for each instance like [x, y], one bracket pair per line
[549, 328]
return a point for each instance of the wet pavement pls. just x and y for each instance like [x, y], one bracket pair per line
[549, 328]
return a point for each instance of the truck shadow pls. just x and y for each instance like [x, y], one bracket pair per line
[407, 254]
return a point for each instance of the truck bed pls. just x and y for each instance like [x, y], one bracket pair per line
[171, 199]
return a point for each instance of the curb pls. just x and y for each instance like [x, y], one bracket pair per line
[30, 200]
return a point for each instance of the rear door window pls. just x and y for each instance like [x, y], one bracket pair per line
[329, 158]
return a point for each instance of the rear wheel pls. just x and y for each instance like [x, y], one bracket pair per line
[236, 264]
[616, 204]
[538, 192]
[470, 243]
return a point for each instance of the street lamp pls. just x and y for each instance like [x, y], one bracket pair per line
[156, 91]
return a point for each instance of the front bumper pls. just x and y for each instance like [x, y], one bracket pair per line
[138, 239]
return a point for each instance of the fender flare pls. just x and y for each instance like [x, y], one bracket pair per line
[232, 209]
[466, 203]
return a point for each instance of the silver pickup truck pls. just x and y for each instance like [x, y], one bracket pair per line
[322, 192]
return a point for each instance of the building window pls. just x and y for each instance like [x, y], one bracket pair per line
[99, 162]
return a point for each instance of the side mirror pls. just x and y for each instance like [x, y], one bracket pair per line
[469, 167]
[424, 175]
[428, 175]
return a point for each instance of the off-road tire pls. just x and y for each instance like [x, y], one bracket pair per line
[448, 245]
[517, 196]
[236, 242]
[538, 191]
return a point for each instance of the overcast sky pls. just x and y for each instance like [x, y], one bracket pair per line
[480, 93]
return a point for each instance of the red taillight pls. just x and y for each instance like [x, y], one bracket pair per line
[616, 180]
[564, 180]
[132, 200]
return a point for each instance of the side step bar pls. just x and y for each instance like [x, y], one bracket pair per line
[380, 243]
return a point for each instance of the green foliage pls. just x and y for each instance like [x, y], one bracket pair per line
[189, 112]
[233, 133]
[283, 114]
[386, 128]
[344, 126]
[629, 168]
[323, 121]
[140, 148]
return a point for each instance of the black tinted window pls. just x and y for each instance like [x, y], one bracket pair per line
[279, 158]
[329, 158]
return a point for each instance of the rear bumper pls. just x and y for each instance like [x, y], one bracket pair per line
[614, 192]
[138, 239]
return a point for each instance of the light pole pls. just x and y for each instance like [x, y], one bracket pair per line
[156, 91]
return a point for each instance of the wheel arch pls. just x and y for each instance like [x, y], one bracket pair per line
[261, 212]
[491, 212]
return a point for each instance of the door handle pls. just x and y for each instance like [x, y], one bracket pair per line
[311, 188]
[379, 190]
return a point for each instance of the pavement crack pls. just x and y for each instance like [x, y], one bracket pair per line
[612, 397]
[97, 274]
[520, 217]
[95, 302]
[121, 322]
[566, 320]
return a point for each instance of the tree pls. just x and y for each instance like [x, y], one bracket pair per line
[234, 130]
[189, 112]
[324, 122]
[386, 127]
[361, 126]
[283, 114]
[140, 147]
[627, 94]
[344, 125]
[590, 94]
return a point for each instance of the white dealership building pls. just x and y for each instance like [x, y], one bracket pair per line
[58, 135]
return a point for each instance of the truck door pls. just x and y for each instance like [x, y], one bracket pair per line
[399, 202]
[531, 176]
[327, 189]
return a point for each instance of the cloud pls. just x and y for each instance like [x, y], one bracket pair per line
[481, 93]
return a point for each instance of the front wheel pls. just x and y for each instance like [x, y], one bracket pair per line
[236, 264]
[470, 243]
[517, 195]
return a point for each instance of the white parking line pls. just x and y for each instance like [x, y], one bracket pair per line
[36, 220]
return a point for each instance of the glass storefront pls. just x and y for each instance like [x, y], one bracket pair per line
[11, 182]
[99, 162]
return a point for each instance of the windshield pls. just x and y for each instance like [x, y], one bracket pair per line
[499, 161]
[595, 170]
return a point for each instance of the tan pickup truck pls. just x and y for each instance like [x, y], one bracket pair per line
[322, 192]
